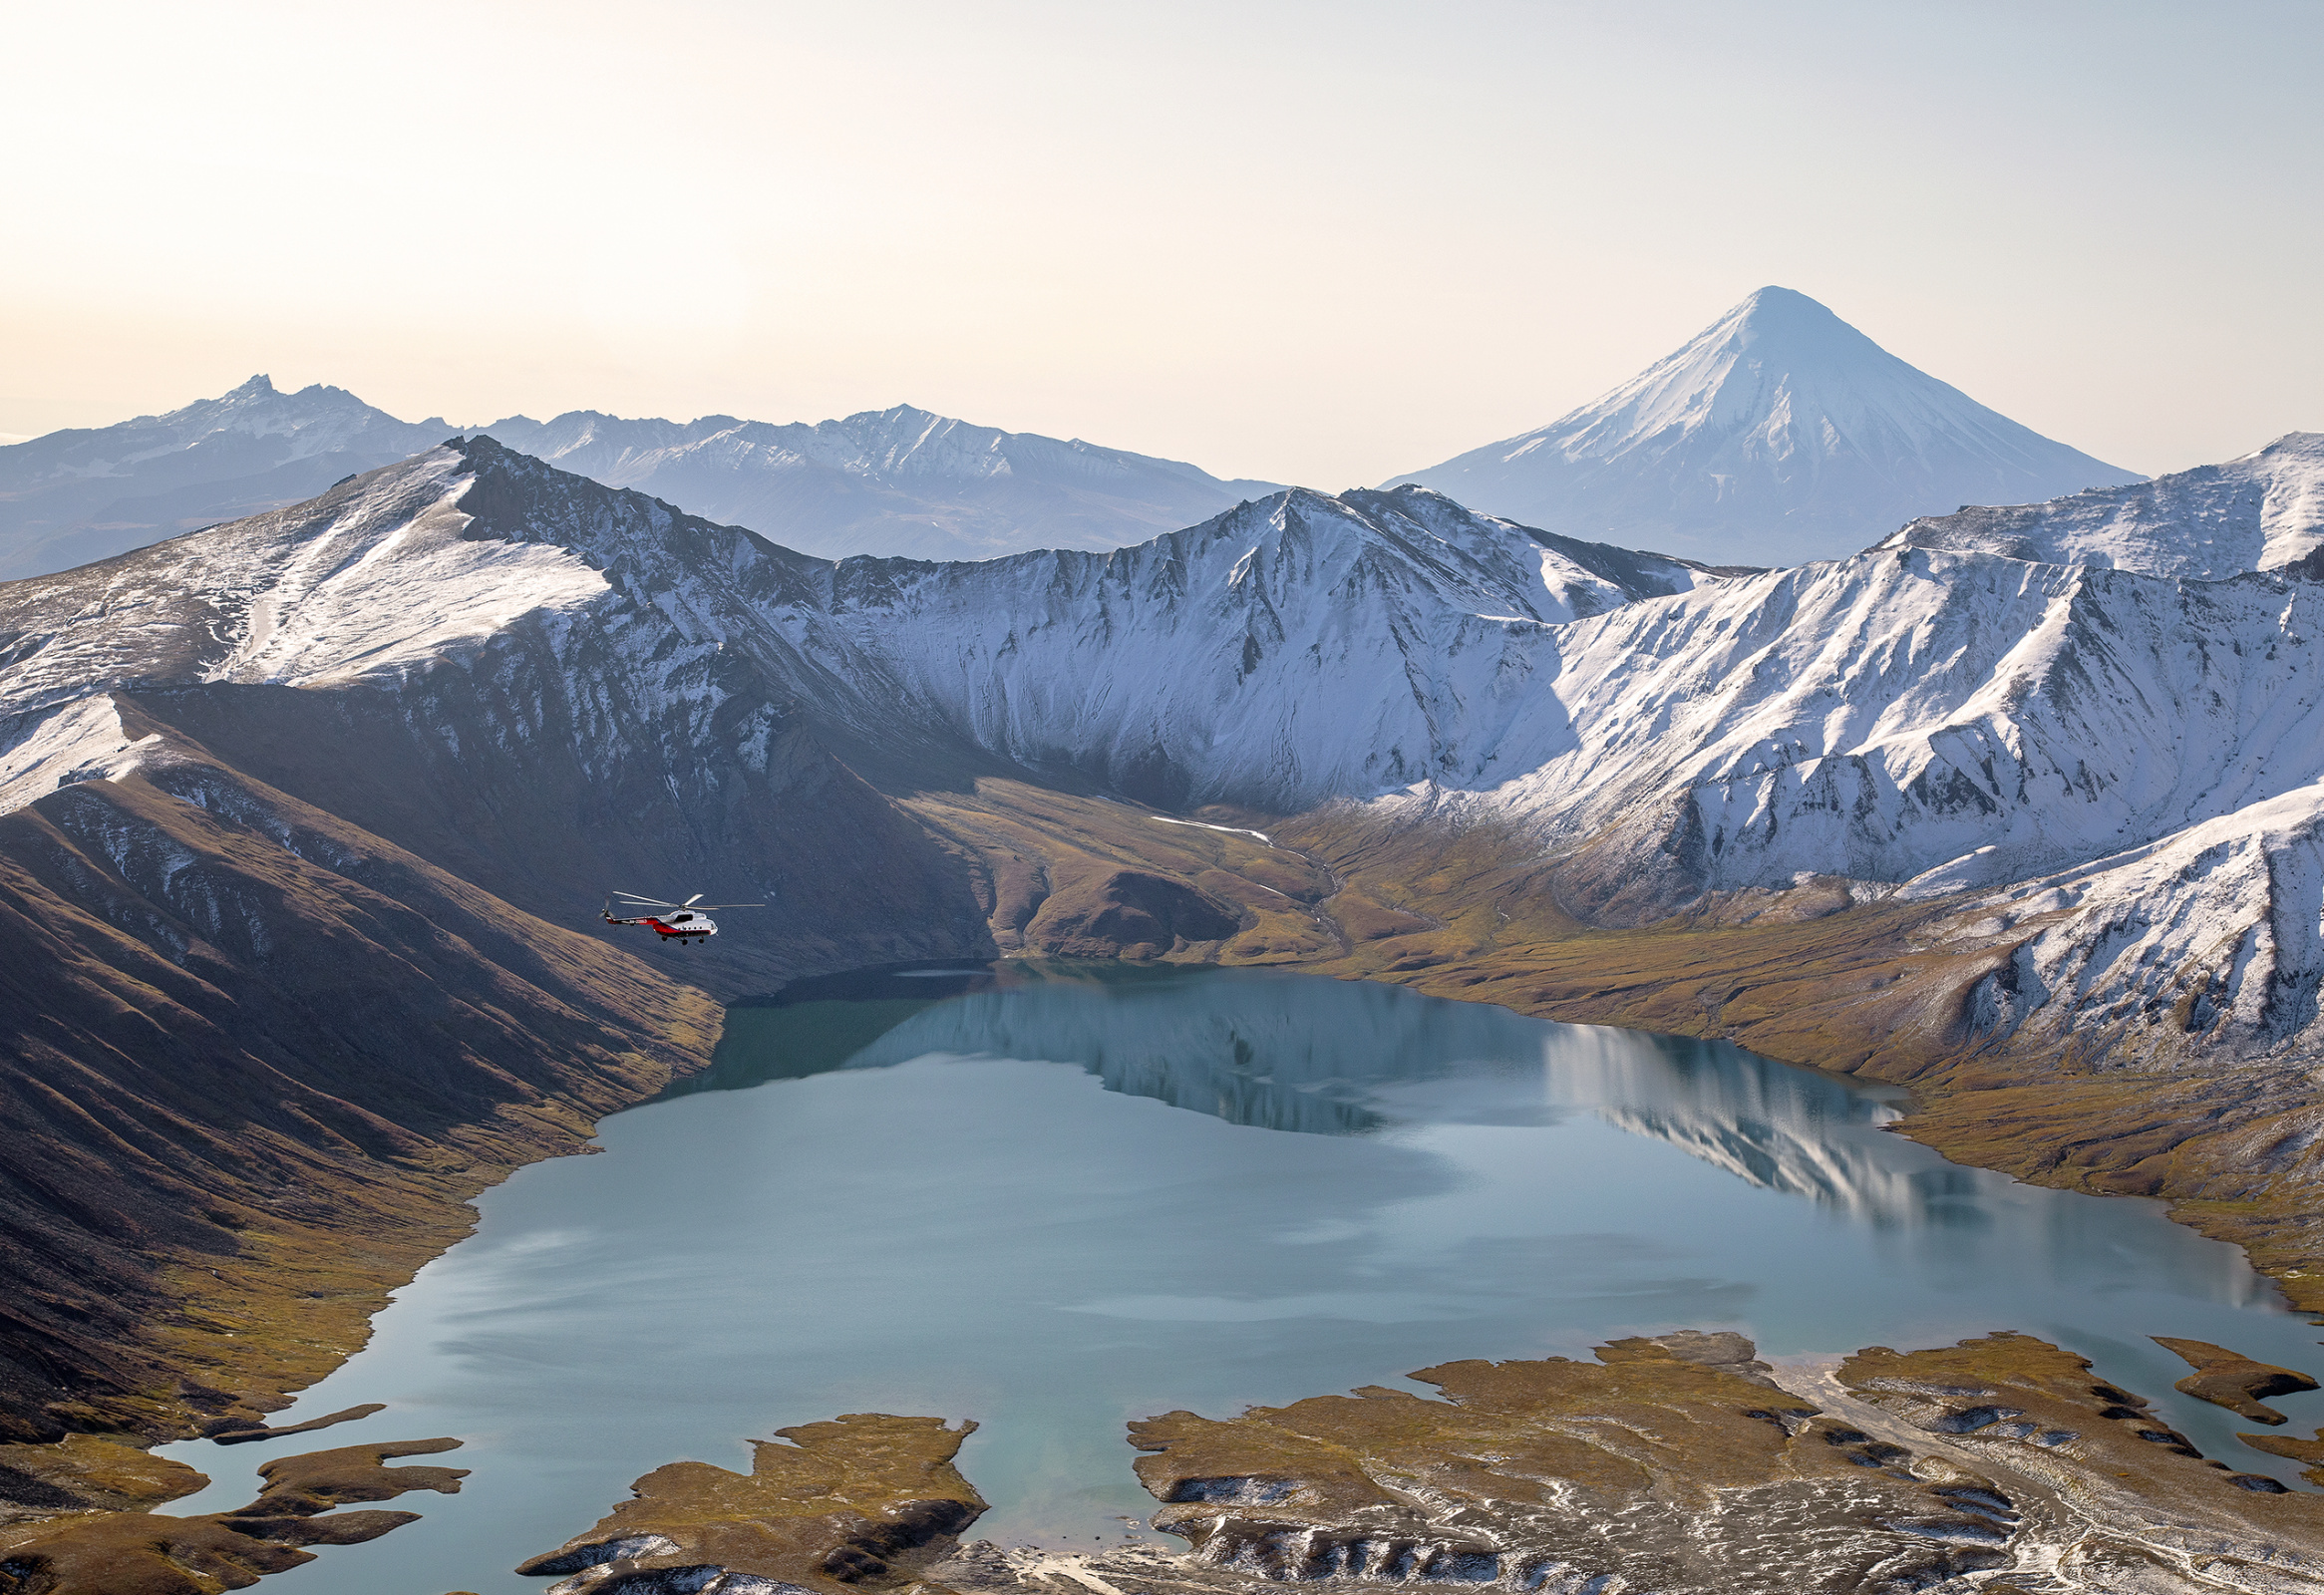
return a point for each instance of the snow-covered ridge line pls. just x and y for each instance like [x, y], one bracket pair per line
[1942, 721]
[372, 577]
[2264, 512]
[80, 741]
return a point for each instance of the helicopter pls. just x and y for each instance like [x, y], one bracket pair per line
[683, 923]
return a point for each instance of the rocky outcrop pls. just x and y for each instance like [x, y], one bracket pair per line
[1675, 1464]
[2233, 1381]
[855, 1502]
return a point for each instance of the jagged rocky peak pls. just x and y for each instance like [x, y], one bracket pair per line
[1778, 435]
[2263, 511]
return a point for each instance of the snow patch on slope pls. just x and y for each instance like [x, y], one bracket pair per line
[380, 599]
[82, 740]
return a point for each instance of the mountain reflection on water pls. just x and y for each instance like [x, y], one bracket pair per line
[973, 1192]
[1332, 1058]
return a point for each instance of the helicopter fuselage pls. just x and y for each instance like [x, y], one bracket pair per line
[678, 927]
[684, 923]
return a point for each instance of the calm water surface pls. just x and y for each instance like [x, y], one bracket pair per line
[1054, 1199]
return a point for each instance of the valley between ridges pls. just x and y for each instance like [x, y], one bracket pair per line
[1809, 976]
[1806, 977]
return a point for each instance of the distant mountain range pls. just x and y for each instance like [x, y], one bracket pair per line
[893, 481]
[898, 482]
[1778, 434]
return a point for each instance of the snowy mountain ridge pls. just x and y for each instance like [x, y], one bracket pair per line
[1779, 434]
[2264, 512]
[2117, 776]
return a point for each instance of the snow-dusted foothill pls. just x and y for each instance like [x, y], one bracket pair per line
[1779, 434]
[899, 483]
[2263, 511]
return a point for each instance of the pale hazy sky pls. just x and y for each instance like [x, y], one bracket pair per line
[1313, 242]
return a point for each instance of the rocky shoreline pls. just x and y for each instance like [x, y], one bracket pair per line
[1677, 1465]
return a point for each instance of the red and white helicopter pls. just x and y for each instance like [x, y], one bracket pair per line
[682, 922]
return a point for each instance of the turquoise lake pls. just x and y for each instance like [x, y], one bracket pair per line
[1054, 1199]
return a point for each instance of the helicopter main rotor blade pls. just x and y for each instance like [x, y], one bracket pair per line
[691, 901]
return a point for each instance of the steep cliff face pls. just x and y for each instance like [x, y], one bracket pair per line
[256, 1058]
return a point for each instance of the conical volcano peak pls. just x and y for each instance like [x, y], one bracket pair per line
[1778, 435]
[1785, 323]
[1774, 307]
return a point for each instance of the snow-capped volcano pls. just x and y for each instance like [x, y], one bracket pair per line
[1779, 434]
[89, 492]
[900, 481]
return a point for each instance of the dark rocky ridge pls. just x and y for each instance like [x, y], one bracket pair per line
[279, 1001]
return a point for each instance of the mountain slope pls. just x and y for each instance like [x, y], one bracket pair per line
[479, 657]
[1294, 650]
[307, 822]
[900, 482]
[90, 493]
[1779, 434]
[2136, 756]
[255, 1062]
[2264, 512]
